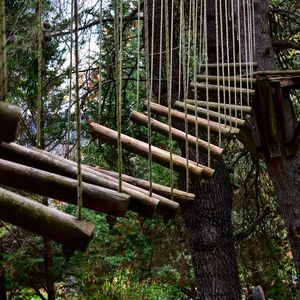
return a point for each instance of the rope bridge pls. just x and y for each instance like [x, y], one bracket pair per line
[200, 79]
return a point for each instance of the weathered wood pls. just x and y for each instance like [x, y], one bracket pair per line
[140, 201]
[231, 65]
[141, 148]
[9, 118]
[226, 79]
[163, 206]
[47, 222]
[62, 188]
[204, 86]
[179, 196]
[177, 135]
[202, 123]
[212, 114]
[238, 108]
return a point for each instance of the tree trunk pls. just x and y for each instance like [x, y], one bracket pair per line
[208, 220]
[284, 171]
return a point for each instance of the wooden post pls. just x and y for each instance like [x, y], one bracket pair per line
[202, 123]
[9, 118]
[62, 188]
[47, 222]
[177, 135]
[212, 114]
[180, 196]
[141, 148]
[140, 201]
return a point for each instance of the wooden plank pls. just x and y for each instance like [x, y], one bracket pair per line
[231, 65]
[42, 220]
[222, 88]
[159, 156]
[140, 201]
[62, 188]
[212, 114]
[238, 108]
[179, 196]
[226, 79]
[202, 123]
[9, 118]
[177, 135]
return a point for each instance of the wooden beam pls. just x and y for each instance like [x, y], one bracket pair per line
[180, 196]
[159, 156]
[225, 78]
[62, 188]
[238, 90]
[177, 135]
[232, 107]
[140, 201]
[202, 123]
[9, 118]
[212, 114]
[42, 220]
[231, 65]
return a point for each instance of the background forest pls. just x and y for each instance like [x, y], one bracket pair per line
[130, 257]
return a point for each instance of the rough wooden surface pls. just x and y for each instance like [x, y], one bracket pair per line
[45, 221]
[177, 135]
[226, 79]
[179, 196]
[9, 118]
[62, 188]
[180, 116]
[141, 148]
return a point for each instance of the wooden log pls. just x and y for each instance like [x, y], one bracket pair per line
[246, 109]
[180, 196]
[231, 65]
[140, 201]
[62, 188]
[222, 88]
[177, 135]
[223, 79]
[212, 114]
[45, 221]
[164, 206]
[202, 123]
[9, 118]
[141, 148]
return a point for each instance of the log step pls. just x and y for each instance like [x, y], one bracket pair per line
[212, 87]
[62, 188]
[239, 108]
[179, 116]
[44, 221]
[177, 135]
[231, 65]
[140, 201]
[9, 118]
[179, 196]
[226, 79]
[159, 156]
[211, 113]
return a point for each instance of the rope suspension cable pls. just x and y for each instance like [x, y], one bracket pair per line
[138, 55]
[78, 124]
[239, 51]
[160, 49]
[40, 83]
[70, 80]
[148, 89]
[3, 62]
[100, 100]
[169, 61]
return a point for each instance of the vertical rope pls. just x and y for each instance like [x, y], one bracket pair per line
[78, 124]
[138, 56]
[100, 101]
[70, 81]
[160, 48]
[40, 83]
[3, 67]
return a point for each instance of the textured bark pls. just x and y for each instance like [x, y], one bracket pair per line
[208, 220]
